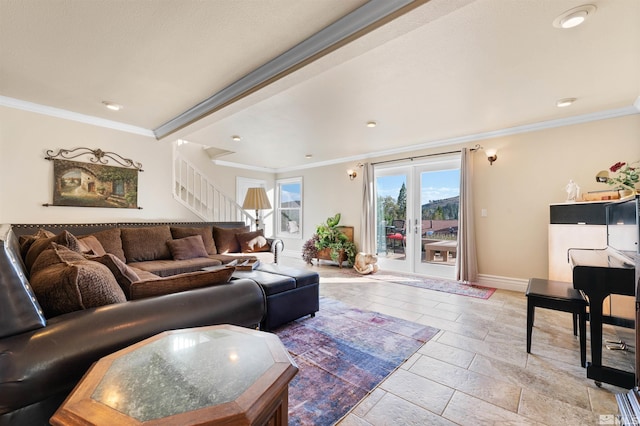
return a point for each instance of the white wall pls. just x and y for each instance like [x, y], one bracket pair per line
[26, 178]
[531, 172]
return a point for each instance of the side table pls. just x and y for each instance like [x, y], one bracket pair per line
[213, 375]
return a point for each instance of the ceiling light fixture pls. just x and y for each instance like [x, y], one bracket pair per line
[565, 102]
[574, 17]
[236, 138]
[371, 124]
[112, 106]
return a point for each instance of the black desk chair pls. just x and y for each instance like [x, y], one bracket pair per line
[559, 296]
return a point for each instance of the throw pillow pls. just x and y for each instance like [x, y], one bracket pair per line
[70, 286]
[25, 241]
[124, 274]
[178, 283]
[187, 248]
[40, 244]
[111, 242]
[206, 232]
[225, 238]
[54, 254]
[146, 243]
[251, 242]
[91, 245]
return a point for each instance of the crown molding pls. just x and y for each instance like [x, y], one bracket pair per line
[542, 125]
[73, 116]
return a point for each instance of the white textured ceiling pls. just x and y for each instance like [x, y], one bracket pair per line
[448, 69]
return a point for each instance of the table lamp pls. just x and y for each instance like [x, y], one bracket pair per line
[256, 199]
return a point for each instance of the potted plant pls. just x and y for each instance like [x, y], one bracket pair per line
[329, 238]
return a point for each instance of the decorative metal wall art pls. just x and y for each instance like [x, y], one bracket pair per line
[94, 184]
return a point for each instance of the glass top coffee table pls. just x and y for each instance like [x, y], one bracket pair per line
[210, 375]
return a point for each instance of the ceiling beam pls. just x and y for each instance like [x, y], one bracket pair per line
[366, 18]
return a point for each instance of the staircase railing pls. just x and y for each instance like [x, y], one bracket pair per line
[194, 190]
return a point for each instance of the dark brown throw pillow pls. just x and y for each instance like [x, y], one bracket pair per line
[123, 274]
[252, 242]
[204, 231]
[187, 248]
[25, 241]
[70, 286]
[181, 282]
[39, 245]
[225, 238]
[53, 254]
[146, 243]
[91, 245]
[111, 242]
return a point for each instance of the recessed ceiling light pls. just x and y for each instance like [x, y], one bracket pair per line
[371, 124]
[574, 17]
[236, 138]
[112, 106]
[565, 102]
[308, 156]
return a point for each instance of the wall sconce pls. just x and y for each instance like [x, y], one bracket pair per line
[492, 155]
[352, 174]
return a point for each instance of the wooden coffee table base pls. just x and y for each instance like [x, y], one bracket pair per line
[219, 375]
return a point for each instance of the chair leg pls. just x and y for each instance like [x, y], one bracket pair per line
[583, 338]
[530, 316]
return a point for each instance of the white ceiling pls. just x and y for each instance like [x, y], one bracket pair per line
[448, 71]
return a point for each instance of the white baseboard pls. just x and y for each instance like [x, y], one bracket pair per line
[504, 283]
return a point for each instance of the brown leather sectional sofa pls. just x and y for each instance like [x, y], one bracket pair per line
[44, 354]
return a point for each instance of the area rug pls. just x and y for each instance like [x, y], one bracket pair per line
[342, 354]
[437, 284]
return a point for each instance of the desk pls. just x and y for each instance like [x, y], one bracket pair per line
[444, 247]
[214, 375]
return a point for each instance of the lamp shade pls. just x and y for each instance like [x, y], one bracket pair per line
[256, 199]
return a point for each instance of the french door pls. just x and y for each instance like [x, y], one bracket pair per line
[417, 216]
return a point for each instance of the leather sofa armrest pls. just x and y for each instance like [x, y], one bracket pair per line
[38, 364]
[277, 247]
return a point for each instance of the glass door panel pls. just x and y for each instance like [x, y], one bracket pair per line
[439, 195]
[391, 218]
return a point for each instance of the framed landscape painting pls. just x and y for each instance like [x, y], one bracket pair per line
[94, 185]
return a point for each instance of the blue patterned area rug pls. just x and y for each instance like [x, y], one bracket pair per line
[343, 353]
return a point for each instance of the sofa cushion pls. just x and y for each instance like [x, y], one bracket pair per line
[72, 284]
[177, 283]
[146, 243]
[123, 274]
[64, 238]
[187, 248]
[225, 238]
[251, 242]
[206, 232]
[111, 242]
[90, 245]
[166, 268]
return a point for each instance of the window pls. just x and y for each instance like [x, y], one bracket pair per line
[289, 208]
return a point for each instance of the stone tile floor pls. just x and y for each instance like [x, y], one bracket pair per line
[476, 371]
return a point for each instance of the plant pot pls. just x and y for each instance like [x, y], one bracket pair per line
[325, 254]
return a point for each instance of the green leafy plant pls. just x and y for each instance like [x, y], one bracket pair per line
[329, 236]
[626, 174]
